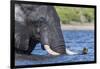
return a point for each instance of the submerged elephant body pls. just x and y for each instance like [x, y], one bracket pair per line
[37, 24]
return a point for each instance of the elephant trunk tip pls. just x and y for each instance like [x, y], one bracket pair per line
[85, 51]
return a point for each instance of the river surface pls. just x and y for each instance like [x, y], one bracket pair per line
[75, 41]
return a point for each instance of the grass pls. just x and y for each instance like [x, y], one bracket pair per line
[75, 14]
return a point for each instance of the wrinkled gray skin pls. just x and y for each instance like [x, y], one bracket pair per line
[37, 23]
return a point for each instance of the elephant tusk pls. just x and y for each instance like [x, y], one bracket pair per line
[50, 51]
[69, 52]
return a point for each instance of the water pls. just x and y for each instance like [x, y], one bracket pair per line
[75, 41]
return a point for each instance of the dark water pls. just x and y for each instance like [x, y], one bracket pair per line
[75, 41]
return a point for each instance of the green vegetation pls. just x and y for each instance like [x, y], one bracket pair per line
[69, 15]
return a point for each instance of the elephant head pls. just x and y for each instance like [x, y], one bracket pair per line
[38, 23]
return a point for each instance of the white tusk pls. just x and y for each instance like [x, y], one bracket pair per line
[69, 52]
[48, 49]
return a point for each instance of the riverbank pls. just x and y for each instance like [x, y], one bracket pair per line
[77, 27]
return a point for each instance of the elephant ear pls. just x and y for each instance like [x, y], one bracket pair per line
[57, 41]
[51, 33]
[45, 38]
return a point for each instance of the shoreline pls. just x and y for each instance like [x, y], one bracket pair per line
[77, 27]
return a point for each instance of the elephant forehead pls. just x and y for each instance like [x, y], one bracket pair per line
[38, 13]
[33, 6]
[30, 12]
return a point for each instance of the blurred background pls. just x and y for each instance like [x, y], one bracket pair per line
[75, 15]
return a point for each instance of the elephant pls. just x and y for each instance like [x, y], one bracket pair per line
[38, 24]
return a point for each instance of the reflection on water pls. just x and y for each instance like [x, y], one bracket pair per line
[75, 41]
